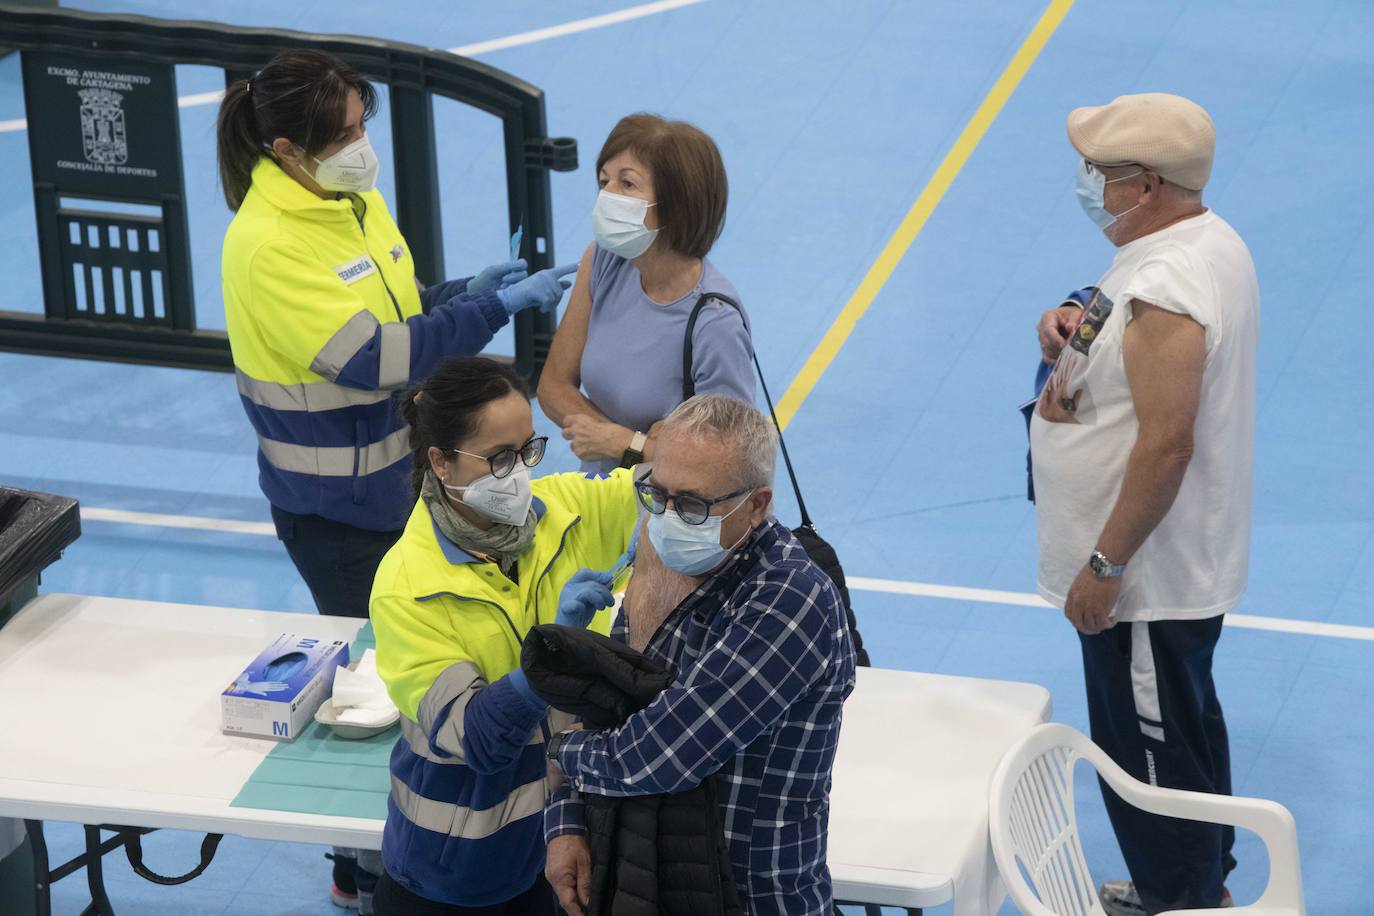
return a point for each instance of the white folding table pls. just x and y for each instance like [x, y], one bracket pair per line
[109, 714]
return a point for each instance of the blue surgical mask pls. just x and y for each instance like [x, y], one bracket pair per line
[692, 550]
[1092, 189]
[618, 224]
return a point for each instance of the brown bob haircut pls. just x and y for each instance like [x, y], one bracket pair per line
[690, 186]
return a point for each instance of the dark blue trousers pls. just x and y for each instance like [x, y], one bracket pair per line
[338, 562]
[1153, 708]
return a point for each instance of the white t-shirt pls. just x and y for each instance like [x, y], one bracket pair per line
[1193, 565]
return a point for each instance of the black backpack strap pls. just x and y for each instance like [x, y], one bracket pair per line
[689, 389]
[689, 385]
[133, 849]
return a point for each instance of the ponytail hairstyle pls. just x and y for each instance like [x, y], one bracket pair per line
[442, 410]
[302, 95]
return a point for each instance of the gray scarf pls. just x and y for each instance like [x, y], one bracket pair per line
[503, 543]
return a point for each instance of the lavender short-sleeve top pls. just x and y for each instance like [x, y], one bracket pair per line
[632, 362]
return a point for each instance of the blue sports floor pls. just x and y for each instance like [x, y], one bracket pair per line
[832, 117]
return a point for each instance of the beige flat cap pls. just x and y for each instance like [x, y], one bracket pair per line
[1168, 133]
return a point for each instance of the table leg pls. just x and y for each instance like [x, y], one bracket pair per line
[95, 874]
[42, 877]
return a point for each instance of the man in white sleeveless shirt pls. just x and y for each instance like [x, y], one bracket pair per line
[1142, 446]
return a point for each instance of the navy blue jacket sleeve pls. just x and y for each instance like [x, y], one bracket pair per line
[440, 293]
[496, 726]
[394, 354]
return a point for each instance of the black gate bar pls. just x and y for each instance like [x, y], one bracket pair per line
[413, 74]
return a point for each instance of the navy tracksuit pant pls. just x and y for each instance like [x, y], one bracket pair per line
[1153, 708]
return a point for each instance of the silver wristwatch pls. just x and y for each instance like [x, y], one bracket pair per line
[1102, 567]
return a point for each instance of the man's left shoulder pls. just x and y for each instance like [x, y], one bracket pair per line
[787, 574]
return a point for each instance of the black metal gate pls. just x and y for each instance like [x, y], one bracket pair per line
[117, 279]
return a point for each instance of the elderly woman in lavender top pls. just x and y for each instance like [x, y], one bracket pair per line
[615, 368]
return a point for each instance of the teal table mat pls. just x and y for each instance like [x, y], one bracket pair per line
[320, 773]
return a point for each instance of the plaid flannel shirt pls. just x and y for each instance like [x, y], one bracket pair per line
[763, 662]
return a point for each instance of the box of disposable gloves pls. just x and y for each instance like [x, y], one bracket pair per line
[277, 694]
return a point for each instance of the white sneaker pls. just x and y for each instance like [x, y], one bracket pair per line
[1119, 898]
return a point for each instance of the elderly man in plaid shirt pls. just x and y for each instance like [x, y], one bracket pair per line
[756, 634]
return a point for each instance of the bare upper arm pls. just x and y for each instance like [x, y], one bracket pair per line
[564, 363]
[1164, 354]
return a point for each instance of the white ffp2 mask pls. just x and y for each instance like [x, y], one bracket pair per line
[352, 169]
[505, 499]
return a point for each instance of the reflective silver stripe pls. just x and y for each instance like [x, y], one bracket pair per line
[381, 455]
[467, 823]
[418, 739]
[337, 461]
[456, 684]
[312, 396]
[393, 369]
[347, 340]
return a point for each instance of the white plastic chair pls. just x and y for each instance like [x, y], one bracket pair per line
[1031, 818]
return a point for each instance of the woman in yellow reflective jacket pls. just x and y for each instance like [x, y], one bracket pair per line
[327, 322]
[487, 554]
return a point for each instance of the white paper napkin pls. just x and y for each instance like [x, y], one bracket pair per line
[360, 697]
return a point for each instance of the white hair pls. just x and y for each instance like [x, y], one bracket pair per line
[1178, 192]
[740, 427]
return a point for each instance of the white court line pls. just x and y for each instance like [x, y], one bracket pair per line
[200, 98]
[198, 522]
[472, 50]
[857, 583]
[1028, 599]
[571, 28]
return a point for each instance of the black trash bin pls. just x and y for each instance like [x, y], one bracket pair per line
[34, 530]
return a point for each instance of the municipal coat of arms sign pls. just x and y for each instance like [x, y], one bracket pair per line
[104, 126]
[103, 136]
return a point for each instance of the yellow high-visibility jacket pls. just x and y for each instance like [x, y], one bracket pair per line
[325, 322]
[468, 775]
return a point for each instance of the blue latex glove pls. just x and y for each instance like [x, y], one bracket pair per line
[260, 688]
[627, 559]
[544, 289]
[499, 276]
[587, 592]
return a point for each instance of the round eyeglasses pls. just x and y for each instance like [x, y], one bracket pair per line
[694, 510]
[503, 462]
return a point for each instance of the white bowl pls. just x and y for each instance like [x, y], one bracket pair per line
[327, 714]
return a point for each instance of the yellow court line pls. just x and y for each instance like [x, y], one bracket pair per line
[916, 217]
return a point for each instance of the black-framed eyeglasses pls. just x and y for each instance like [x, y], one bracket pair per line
[694, 510]
[503, 462]
[1093, 168]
